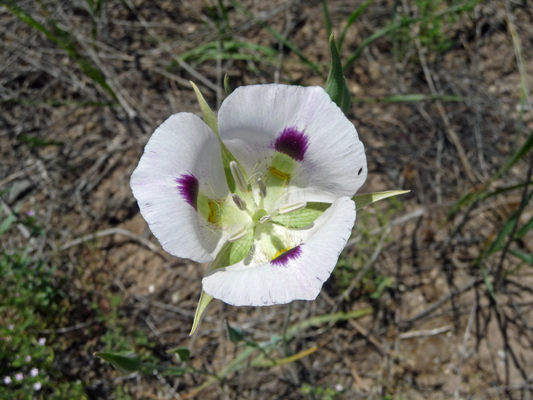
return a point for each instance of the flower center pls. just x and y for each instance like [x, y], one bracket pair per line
[260, 200]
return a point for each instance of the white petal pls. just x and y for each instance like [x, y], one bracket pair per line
[298, 278]
[181, 148]
[331, 161]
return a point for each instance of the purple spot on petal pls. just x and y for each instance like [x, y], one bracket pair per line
[293, 143]
[188, 188]
[284, 258]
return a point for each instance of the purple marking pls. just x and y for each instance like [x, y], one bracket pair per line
[293, 143]
[188, 187]
[284, 258]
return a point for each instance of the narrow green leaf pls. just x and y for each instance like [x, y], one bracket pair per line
[407, 98]
[174, 371]
[351, 19]
[503, 190]
[301, 218]
[205, 299]
[527, 258]
[126, 363]
[211, 121]
[327, 18]
[231, 253]
[35, 141]
[499, 243]
[234, 334]
[280, 37]
[392, 27]
[242, 359]
[6, 223]
[62, 39]
[488, 283]
[472, 196]
[226, 85]
[522, 151]
[183, 353]
[363, 200]
[336, 85]
[525, 229]
[229, 49]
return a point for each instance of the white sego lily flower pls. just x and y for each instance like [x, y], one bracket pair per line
[274, 212]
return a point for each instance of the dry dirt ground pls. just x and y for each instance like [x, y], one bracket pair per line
[430, 327]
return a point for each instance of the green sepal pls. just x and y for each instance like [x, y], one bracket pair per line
[234, 334]
[301, 218]
[205, 299]
[231, 253]
[126, 363]
[211, 120]
[183, 353]
[226, 85]
[363, 200]
[209, 116]
[336, 85]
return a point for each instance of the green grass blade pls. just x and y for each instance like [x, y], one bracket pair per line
[241, 360]
[522, 151]
[280, 37]
[351, 19]
[6, 223]
[58, 103]
[503, 190]
[525, 229]
[527, 258]
[230, 50]
[62, 39]
[407, 98]
[392, 27]
[472, 196]
[327, 18]
[488, 283]
[499, 243]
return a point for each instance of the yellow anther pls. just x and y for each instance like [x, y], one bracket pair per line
[212, 213]
[278, 174]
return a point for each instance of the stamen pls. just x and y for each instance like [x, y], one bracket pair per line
[238, 234]
[287, 208]
[239, 202]
[265, 219]
[238, 176]
[262, 187]
[212, 212]
[278, 174]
